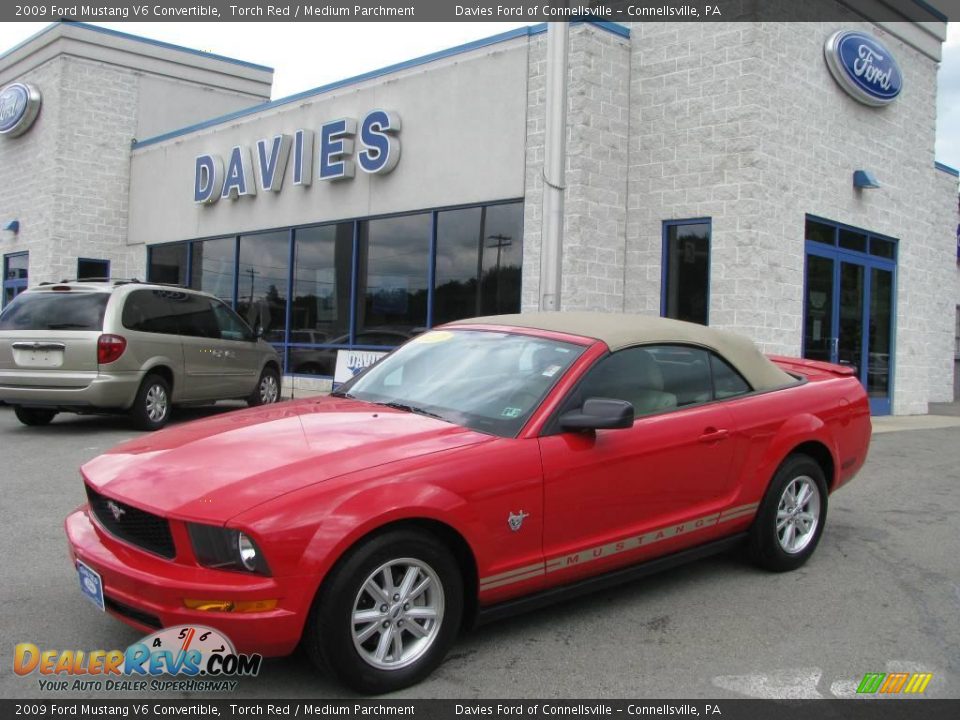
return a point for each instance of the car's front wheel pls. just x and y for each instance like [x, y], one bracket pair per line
[151, 409]
[267, 390]
[388, 613]
[34, 417]
[790, 521]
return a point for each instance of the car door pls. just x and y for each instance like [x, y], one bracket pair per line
[614, 497]
[202, 355]
[239, 351]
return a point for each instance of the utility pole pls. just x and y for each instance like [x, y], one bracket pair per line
[551, 258]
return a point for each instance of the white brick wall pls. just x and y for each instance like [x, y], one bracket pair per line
[742, 123]
[68, 176]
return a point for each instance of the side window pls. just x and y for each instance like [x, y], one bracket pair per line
[231, 326]
[149, 311]
[632, 375]
[727, 382]
[194, 314]
[685, 372]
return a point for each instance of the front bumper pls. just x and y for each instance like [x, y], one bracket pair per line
[139, 587]
[103, 390]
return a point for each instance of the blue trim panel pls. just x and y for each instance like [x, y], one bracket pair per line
[611, 27]
[528, 31]
[137, 38]
[931, 9]
[947, 169]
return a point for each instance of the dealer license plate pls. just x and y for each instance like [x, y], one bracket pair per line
[91, 585]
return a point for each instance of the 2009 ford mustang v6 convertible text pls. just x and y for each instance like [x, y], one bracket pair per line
[482, 468]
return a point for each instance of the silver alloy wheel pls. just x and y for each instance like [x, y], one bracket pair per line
[269, 391]
[397, 614]
[156, 403]
[798, 514]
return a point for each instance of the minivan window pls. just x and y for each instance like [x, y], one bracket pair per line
[55, 310]
[231, 326]
[149, 311]
[194, 314]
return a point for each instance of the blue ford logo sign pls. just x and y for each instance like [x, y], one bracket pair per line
[19, 105]
[863, 67]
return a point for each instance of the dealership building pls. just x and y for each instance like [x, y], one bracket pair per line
[776, 179]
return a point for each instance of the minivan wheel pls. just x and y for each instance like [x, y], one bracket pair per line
[267, 390]
[388, 613]
[34, 417]
[151, 409]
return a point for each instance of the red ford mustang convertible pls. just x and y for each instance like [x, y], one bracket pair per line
[483, 468]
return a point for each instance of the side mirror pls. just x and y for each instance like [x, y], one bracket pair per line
[599, 414]
[258, 332]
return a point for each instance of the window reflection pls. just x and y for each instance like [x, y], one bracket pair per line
[687, 272]
[262, 282]
[392, 275]
[168, 264]
[214, 264]
[479, 253]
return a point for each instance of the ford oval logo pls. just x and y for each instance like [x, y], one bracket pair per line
[19, 105]
[863, 67]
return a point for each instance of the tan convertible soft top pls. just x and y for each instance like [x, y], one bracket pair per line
[620, 330]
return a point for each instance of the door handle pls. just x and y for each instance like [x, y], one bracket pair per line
[711, 435]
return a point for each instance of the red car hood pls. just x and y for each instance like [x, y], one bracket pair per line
[213, 469]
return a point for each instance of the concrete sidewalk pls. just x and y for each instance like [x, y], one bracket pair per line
[942, 415]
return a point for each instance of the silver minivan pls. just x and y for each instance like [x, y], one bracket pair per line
[127, 346]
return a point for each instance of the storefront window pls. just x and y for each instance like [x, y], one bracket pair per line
[168, 264]
[686, 272]
[392, 269]
[214, 265]
[479, 253]
[262, 283]
[356, 284]
[320, 304]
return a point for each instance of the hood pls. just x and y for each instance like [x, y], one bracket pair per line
[210, 470]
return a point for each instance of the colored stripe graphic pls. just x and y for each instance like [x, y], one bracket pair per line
[918, 682]
[893, 683]
[871, 683]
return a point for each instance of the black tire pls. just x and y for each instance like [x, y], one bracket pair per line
[329, 635]
[767, 547]
[151, 409]
[34, 417]
[267, 390]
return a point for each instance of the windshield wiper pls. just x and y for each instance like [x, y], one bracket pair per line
[65, 326]
[337, 393]
[412, 409]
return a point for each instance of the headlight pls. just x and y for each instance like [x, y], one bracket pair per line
[226, 549]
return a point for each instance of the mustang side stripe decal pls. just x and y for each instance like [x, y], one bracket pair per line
[529, 572]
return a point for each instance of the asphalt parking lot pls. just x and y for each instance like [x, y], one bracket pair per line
[881, 594]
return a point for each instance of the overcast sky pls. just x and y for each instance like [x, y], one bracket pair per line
[306, 55]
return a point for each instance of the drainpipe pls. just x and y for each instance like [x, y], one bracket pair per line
[551, 259]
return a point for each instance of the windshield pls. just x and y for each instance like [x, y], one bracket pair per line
[486, 381]
[55, 311]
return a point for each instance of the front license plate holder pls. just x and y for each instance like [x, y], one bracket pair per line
[91, 584]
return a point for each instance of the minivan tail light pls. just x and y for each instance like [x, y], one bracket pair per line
[110, 348]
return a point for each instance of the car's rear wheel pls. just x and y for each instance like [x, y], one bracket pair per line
[34, 417]
[388, 613]
[787, 529]
[267, 390]
[151, 409]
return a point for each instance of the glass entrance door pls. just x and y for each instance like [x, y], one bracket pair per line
[849, 305]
